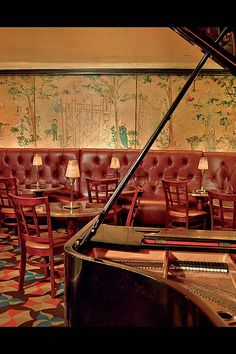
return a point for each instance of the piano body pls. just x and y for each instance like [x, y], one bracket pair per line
[142, 277]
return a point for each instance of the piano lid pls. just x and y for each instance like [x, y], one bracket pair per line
[223, 53]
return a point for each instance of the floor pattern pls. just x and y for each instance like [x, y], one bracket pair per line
[32, 307]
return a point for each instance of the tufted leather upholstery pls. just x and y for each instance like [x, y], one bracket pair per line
[18, 163]
[221, 173]
[176, 164]
[156, 165]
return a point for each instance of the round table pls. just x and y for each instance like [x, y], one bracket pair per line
[81, 210]
[40, 188]
[201, 197]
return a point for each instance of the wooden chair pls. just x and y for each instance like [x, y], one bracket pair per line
[38, 243]
[134, 206]
[99, 192]
[178, 213]
[223, 210]
[7, 213]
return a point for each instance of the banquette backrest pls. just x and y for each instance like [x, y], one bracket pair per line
[18, 162]
[157, 164]
[221, 173]
[168, 164]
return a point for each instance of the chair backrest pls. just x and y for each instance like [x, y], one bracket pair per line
[7, 185]
[223, 210]
[100, 190]
[134, 205]
[33, 218]
[176, 195]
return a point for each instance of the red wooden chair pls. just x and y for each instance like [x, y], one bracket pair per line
[223, 210]
[39, 244]
[134, 206]
[99, 192]
[178, 213]
[7, 213]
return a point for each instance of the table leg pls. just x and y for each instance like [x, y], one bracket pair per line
[72, 226]
[199, 203]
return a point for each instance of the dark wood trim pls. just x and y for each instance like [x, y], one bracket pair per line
[143, 71]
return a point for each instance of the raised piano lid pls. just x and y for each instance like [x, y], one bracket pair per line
[223, 53]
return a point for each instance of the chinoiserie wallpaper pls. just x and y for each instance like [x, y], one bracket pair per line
[117, 111]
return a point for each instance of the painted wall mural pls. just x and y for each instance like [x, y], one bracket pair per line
[117, 111]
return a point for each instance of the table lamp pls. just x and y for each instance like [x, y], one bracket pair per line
[72, 172]
[37, 161]
[202, 165]
[115, 163]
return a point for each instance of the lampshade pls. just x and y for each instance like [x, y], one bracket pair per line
[203, 163]
[37, 160]
[72, 170]
[115, 162]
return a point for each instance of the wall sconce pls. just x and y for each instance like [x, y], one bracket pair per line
[202, 165]
[37, 161]
[115, 164]
[72, 172]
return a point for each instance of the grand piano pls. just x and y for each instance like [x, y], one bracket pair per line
[117, 276]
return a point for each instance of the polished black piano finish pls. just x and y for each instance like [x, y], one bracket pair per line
[104, 293]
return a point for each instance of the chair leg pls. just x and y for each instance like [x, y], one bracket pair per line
[205, 223]
[45, 268]
[22, 270]
[52, 277]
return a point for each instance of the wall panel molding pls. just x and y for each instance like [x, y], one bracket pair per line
[111, 72]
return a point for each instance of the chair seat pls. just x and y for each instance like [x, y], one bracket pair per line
[191, 213]
[59, 240]
[7, 210]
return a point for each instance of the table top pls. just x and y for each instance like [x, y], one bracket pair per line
[81, 210]
[41, 187]
[199, 194]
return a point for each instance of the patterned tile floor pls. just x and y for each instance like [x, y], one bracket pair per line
[33, 307]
